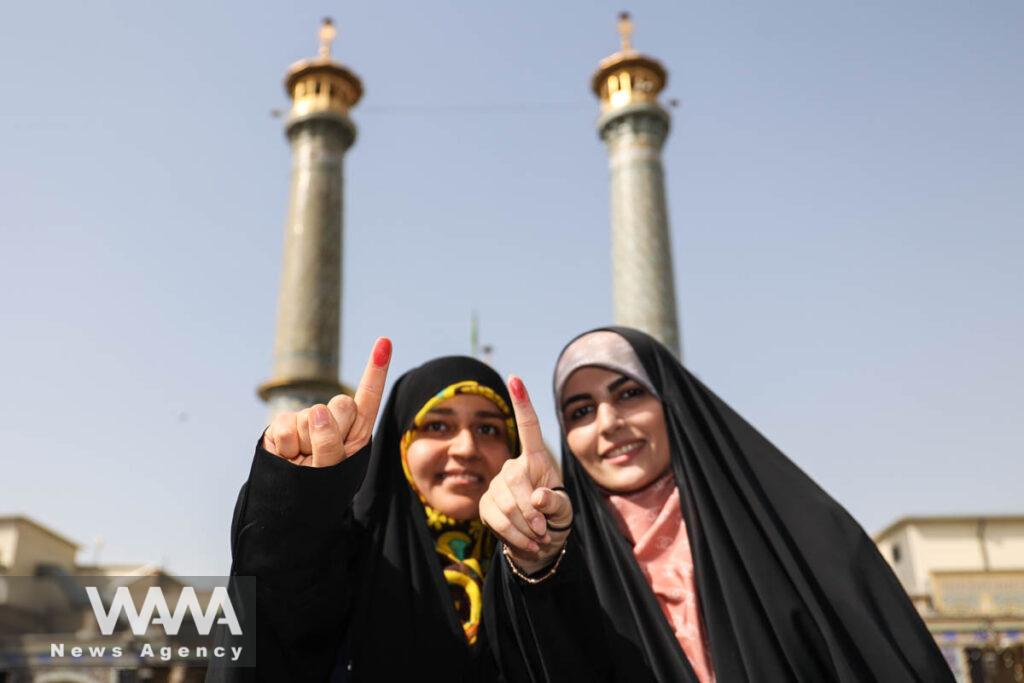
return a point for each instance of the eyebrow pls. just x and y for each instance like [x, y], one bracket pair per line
[441, 411]
[574, 398]
[479, 413]
[618, 383]
[612, 386]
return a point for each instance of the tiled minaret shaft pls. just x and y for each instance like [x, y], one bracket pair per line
[634, 126]
[307, 341]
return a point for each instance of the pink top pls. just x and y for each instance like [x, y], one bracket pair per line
[652, 520]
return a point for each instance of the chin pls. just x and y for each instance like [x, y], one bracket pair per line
[459, 508]
[632, 479]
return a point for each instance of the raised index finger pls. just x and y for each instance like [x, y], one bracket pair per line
[526, 417]
[371, 386]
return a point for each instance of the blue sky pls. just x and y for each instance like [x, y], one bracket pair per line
[845, 188]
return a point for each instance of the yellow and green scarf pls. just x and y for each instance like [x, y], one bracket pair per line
[464, 548]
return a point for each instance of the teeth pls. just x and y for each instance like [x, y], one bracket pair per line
[622, 450]
[462, 476]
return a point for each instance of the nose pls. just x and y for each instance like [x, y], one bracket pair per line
[463, 445]
[608, 419]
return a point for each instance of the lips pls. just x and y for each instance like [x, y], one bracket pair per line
[461, 477]
[623, 452]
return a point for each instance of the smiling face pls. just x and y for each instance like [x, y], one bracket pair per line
[615, 428]
[459, 447]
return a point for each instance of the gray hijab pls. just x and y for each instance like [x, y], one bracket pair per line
[604, 349]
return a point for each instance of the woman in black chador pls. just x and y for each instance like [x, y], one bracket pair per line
[712, 556]
[370, 559]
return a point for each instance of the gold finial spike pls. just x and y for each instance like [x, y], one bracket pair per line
[625, 31]
[327, 34]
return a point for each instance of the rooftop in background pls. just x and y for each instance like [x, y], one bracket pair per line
[7, 521]
[943, 519]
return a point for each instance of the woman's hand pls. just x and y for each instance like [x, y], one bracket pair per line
[520, 505]
[322, 436]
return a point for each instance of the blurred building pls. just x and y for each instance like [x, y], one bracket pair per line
[966, 577]
[307, 344]
[634, 126]
[42, 601]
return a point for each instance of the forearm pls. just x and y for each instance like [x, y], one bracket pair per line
[290, 520]
[551, 629]
[293, 534]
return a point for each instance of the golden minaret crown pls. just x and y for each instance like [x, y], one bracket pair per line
[627, 76]
[320, 83]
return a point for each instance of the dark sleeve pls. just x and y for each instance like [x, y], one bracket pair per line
[550, 631]
[293, 533]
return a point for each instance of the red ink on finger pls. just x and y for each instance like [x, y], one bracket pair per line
[382, 352]
[518, 389]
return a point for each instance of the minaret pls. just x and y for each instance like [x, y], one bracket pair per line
[306, 346]
[634, 126]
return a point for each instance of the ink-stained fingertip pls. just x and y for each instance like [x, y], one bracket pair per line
[381, 352]
[517, 388]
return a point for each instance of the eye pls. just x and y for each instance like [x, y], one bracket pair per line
[488, 430]
[631, 392]
[579, 413]
[435, 427]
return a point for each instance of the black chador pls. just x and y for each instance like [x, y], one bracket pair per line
[790, 587]
[356, 578]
